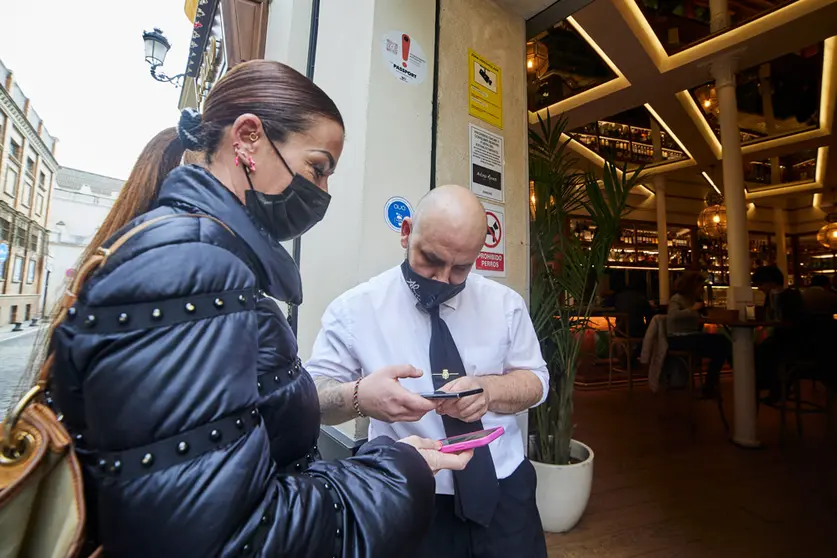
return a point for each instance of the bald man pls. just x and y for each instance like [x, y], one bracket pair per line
[429, 325]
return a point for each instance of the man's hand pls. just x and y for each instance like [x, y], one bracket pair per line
[382, 397]
[467, 409]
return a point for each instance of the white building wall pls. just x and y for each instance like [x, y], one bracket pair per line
[387, 151]
[288, 29]
[82, 214]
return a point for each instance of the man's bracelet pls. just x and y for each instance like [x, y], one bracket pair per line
[354, 399]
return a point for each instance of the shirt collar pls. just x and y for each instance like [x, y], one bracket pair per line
[453, 303]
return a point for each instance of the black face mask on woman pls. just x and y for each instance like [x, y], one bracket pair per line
[292, 212]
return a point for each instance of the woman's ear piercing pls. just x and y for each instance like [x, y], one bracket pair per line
[254, 136]
[252, 163]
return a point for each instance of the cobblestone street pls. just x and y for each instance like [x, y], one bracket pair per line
[14, 358]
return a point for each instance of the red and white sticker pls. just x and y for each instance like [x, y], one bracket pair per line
[492, 259]
[404, 57]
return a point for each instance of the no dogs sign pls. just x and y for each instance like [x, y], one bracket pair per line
[492, 259]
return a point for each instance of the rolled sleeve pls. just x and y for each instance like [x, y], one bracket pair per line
[524, 350]
[332, 355]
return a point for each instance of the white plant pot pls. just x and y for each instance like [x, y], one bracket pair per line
[564, 490]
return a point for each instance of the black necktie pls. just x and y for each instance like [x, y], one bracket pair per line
[476, 489]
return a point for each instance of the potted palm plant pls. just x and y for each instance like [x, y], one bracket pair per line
[564, 281]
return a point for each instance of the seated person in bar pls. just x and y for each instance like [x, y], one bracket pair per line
[819, 299]
[634, 312]
[780, 303]
[685, 330]
[785, 340]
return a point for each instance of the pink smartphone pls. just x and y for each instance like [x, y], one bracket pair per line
[477, 439]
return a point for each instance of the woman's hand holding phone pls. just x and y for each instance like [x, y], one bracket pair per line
[436, 460]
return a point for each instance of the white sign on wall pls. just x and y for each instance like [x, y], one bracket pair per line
[486, 163]
[492, 259]
[404, 57]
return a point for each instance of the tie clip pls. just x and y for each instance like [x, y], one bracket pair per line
[445, 374]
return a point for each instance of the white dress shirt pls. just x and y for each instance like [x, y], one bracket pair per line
[379, 323]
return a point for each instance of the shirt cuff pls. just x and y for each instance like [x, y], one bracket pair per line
[544, 378]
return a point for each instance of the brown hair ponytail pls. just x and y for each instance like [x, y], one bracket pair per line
[157, 160]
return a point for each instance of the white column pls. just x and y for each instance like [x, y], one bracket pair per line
[662, 236]
[781, 240]
[740, 292]
[662, 223]
[734, 196]
[769, 118]
[718, 15]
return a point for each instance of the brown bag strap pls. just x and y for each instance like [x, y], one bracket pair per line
[97, 260]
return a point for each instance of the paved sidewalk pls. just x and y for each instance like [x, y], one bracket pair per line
[6, 333]
[15, 350]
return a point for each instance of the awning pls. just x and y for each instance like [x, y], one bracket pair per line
[204, 16]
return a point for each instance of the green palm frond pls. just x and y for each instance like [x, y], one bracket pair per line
[565, 270]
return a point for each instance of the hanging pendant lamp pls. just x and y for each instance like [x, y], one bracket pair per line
[827, 236]
[712, 221]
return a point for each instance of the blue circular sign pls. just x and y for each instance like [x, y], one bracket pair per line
[4, 252]
[395, 211]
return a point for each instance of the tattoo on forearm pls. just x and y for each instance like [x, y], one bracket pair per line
[333, 405]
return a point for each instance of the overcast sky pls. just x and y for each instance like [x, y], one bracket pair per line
[82, 64]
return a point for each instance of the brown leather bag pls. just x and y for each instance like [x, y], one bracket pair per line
[42, 510]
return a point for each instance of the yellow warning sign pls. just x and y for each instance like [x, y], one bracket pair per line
[485, 90]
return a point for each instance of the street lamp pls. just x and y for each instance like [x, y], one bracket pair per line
[156, 49]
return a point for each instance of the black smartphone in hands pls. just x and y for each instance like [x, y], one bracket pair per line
[454, 395]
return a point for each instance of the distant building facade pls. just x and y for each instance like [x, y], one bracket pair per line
[27, 175]
[80, 202]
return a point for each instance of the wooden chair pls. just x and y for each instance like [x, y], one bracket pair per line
[792, 373]
[809, 358]
[687, 359]
[623, 339]
[695, 364]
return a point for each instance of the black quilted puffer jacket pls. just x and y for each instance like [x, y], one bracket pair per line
[177, 374]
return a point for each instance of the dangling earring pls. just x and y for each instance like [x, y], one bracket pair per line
[252, 163]
[235, 150]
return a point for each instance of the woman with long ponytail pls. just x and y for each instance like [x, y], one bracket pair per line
[177, 374]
